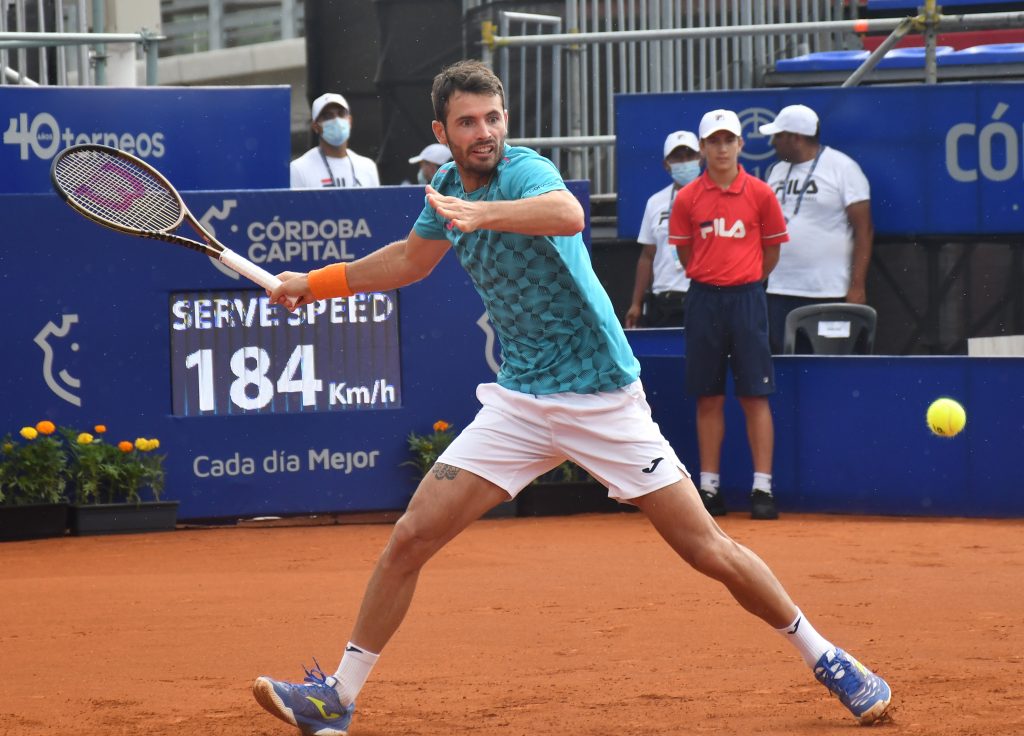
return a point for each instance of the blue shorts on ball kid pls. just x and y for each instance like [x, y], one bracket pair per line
[727, 327]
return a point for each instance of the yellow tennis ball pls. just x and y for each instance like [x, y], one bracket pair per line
[946, 417]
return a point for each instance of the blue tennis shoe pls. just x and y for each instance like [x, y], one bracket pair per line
[312, 706]
[862, 691]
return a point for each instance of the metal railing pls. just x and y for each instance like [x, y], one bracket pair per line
[696, 45]
[629, 46]
[35, 51]
[34, 35]
[206, 25]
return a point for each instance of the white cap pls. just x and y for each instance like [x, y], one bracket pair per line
[793, 119]
[330, 98]
[435, 153]
[720, 120]
[680, 138]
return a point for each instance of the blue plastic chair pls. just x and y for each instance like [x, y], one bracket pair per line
[913, 5]
[990, 53]
[829, 61]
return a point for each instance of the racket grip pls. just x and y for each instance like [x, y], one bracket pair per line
[250, 270]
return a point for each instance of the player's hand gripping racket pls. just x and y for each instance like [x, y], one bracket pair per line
[122, 192]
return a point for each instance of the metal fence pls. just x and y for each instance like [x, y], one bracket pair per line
[560, 94]
[49, 42]
[205, 25]
[188, 26]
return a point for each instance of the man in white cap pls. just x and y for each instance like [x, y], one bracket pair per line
[429, 161]
[728, 227]
[661, 280]
[827, 203]
[332, 163]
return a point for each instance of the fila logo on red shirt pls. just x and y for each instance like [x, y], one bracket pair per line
[717, 226]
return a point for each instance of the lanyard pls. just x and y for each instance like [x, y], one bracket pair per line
[337, 182]
[803, 189]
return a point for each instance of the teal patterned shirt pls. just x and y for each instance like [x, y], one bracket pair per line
[556, 325]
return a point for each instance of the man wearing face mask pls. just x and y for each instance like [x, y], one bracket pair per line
[332, 163]
[429, 161]
[660, 288]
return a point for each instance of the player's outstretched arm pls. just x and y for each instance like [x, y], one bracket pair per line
[397, 264]
[552, 213]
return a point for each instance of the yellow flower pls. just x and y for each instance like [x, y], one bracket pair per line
[100, 428]
[46, 427]
[85, 438]
[441, 425]
[8, 446]
[141, 443]
[125, 446]
[29, 433]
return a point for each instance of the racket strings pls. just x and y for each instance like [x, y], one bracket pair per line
[118, 191]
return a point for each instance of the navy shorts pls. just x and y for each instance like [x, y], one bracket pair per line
[727, 327]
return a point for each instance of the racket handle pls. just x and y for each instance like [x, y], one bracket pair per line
[250, 270]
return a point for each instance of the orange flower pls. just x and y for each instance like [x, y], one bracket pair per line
[125, 446]
[100, 428]
[46, 427]
[441, 425]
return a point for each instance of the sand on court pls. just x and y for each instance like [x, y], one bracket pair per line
[569, 625]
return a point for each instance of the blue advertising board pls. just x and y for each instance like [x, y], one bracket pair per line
[259, 412]
[850, 431]
[941, 159]
[198, 137]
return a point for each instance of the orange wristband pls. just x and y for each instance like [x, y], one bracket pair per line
[329, 281]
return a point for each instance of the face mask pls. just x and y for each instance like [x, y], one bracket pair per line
[685, 172]
[422, 178]
[335, 131]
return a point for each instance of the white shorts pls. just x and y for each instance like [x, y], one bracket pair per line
[515, 437]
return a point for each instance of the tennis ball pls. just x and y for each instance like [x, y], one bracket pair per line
[946, 417]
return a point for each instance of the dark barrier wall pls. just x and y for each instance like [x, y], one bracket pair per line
[198, 137]
[342, 48]
[258, 413]
[383, 55]
[941, 159]
[417, 39]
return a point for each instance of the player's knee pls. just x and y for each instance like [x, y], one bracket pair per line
[714, 556]
[411, 544]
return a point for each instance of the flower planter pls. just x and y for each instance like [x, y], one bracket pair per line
[122, 518]
[33, 521]
[564, 498]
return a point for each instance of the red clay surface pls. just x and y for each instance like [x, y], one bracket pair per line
[571, 625]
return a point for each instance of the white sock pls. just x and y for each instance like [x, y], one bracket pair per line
[808, 642]
[763, 482]
[355, 667]
[709, 482]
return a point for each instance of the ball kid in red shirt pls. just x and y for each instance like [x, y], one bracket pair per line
[728, 227]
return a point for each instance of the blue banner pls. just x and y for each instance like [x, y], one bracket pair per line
[259, 412]
[941, 159]
[199, 138]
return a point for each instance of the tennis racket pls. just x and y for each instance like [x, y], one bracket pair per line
[124, 193]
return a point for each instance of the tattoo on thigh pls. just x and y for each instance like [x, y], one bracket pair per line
[443, 471]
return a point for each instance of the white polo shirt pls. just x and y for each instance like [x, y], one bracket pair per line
[669, 274]
[308, 171]
[816, 261]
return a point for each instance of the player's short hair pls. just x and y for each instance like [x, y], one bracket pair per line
[470, 76]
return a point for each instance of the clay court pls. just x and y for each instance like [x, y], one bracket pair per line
[570, 625]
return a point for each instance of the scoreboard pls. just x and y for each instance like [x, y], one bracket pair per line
[235, 353]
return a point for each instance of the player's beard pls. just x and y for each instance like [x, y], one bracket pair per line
[476, 165]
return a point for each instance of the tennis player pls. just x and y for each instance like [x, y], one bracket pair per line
[568, 388]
